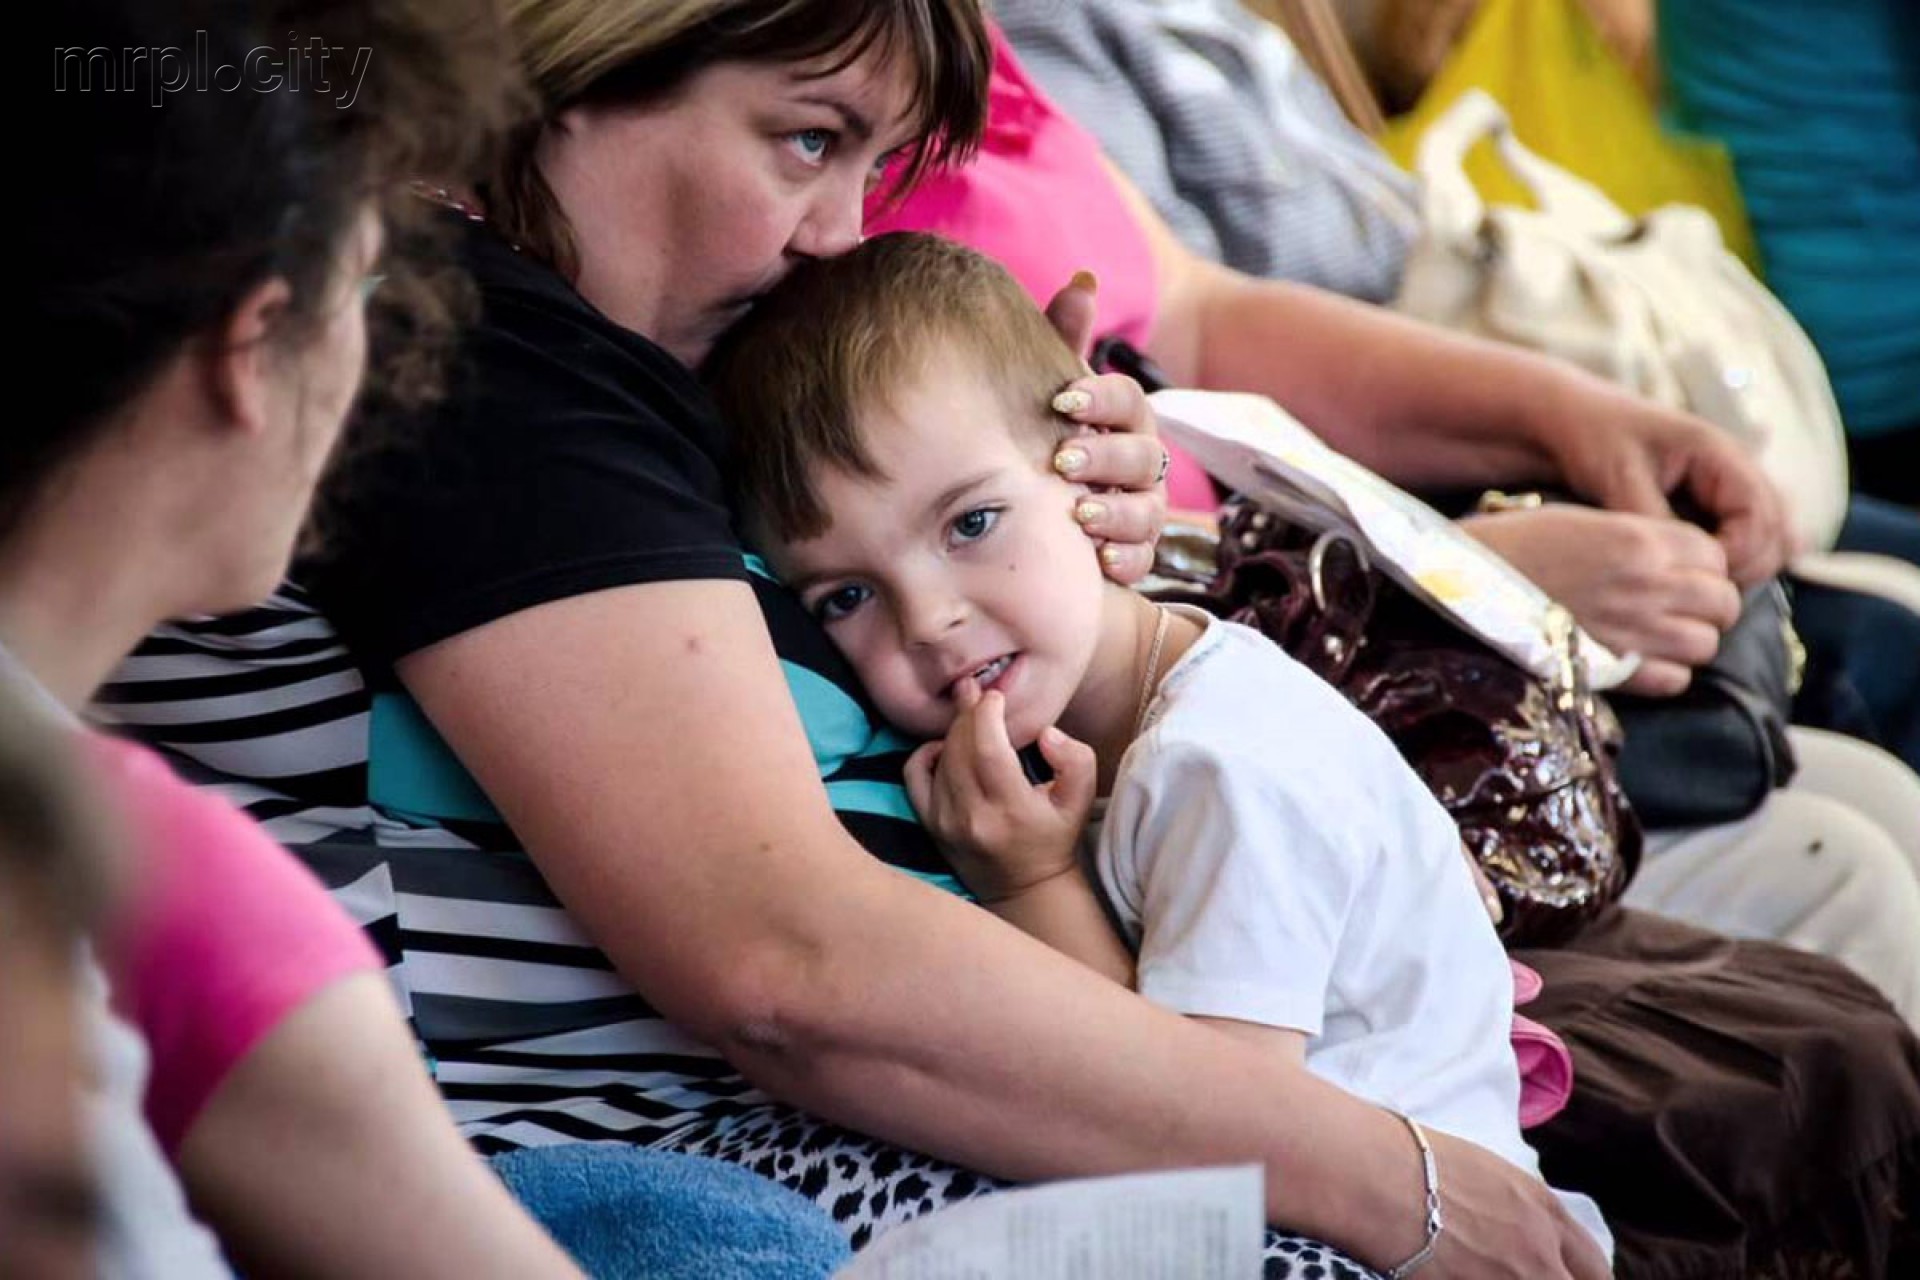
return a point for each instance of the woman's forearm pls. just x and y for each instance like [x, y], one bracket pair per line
[921, 1019]
[706, 862]
[1419, 405]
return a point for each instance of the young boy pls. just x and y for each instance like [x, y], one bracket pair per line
[1275, 866]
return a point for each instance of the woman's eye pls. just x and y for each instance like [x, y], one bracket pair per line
[840, 602]
[878, 174]
[975, 524]
[811, 145]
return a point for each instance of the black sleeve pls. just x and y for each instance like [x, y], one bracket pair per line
[569, 456]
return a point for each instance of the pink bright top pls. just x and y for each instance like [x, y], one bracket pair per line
[225, 933]
[1039, 199]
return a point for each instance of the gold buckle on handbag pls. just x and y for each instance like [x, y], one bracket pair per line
[1564, 639]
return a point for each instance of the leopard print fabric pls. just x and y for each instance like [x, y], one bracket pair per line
[869, 1186]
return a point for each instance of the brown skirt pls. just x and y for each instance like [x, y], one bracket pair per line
[1740, 1109]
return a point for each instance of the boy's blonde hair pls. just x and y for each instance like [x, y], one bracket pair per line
[842, 335]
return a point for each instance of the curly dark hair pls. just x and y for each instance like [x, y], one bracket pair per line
[152, 214]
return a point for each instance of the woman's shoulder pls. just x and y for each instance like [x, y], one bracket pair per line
[536, 334]
[568, 455]
[192, 846]
[155, 807]
[222, 935]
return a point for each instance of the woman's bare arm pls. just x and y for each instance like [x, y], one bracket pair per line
[642, 742]
[326, 1153]
[1418, 405]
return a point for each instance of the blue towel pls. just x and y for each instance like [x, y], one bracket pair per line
[627, 1213]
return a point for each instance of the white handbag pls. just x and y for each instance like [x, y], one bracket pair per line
[1656, 304]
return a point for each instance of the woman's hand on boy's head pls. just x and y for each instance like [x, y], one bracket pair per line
[1002, 833]
[1073, 312]
[1122, 459]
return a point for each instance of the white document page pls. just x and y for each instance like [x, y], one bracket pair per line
[1196, 1224]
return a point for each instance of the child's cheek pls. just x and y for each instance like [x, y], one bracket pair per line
[889, 680]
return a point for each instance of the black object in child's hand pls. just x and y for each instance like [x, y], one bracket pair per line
[1035, 765]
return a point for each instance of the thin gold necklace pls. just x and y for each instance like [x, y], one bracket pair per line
[1153, 669]
[466, 208]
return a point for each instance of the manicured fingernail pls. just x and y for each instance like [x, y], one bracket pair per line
[1088, 512]
[1070, 461]
[1072, 401]
[1110, 556]
[1085, 280]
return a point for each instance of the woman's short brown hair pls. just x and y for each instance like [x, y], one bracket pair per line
[577, 52]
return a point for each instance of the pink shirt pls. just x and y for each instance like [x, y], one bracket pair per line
[224, 935]
[1039, 199]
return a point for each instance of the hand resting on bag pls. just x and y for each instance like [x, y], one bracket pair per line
[1653, 585]
[1631, 455]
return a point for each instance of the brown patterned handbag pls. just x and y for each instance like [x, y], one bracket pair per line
[1524, 766]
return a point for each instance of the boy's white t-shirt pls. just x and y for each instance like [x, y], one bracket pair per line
[1276, 861]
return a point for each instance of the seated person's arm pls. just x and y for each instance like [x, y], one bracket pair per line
[1428, 408]
[643, 743]
[1649, 585]
[282, 1068]
[328, 1152]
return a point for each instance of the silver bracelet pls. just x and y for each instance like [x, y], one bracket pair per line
[1434, 1223]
